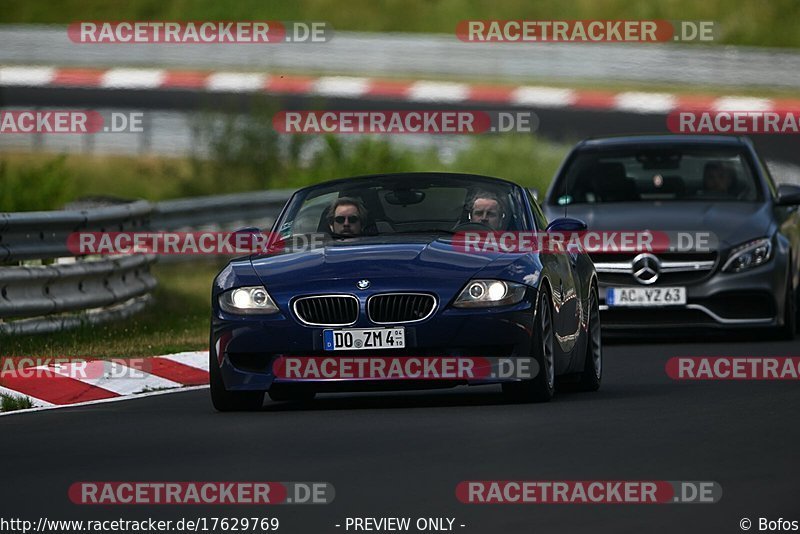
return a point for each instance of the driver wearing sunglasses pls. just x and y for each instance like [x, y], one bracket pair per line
[346, 216]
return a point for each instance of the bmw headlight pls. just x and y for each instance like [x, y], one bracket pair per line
[486, 293]
[749, 255]
[247, 300]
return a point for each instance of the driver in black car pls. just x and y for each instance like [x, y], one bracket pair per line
[487, 208]
[719, 179]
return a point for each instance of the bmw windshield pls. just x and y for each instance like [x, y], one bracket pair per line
[405, 204]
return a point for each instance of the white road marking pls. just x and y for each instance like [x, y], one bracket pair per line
[236, 82]
[740, 103]
[198, 360]
[132, 79]
[115, 377]
[547, 97]
[645, 102]
[341, 86]
[27, 76]
[438, 91]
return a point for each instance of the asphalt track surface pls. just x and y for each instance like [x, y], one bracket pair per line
[402, 454]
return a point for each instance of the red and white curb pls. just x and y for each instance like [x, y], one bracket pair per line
[409, 90]
[76, 384]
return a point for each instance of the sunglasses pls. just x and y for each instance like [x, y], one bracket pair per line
[352, 219]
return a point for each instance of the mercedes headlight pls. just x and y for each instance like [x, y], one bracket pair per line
[247, 300]
[486, 293]
[749, 255]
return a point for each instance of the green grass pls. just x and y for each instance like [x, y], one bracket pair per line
[745, 22]
[41, 181]
[9, 403]
[25, 181]
[177, 321]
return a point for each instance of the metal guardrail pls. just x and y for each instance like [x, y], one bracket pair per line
[43, 234]
[223, 210]
[45, 288]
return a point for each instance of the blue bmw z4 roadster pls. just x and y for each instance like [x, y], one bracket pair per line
[375, 287]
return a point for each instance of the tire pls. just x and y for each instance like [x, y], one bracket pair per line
[542, 387]
[292, 393]
[230, 401]
[592, 374]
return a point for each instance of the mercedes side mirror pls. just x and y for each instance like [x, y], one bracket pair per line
[788, 195]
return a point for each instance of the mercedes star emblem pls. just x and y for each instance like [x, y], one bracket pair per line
[646, 268]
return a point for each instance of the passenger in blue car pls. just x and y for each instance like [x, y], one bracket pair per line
[347, 216]
[487, 208]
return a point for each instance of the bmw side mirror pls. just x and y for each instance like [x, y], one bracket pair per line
[788, 195]
[566, 224]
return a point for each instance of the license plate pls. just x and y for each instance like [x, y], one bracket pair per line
[364, 339]
[645, 296]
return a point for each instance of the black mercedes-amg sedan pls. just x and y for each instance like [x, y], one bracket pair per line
[738, 263]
